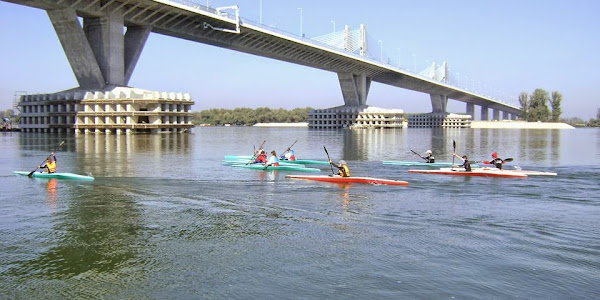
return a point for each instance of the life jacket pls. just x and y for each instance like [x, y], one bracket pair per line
[262, 158]
[344, 171]
[51, 166]
[497, 162]
[467, 166]
[274, 161]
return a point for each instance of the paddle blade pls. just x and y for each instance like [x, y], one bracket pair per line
[508, 159]
[30, 174]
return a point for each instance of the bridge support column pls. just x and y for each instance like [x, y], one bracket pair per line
[76, 47]
[484, 113]
[505, 115]
[355, 88]
[471, 110]
[105, 36]
[496, 114]
[98, 52]
[439, 103]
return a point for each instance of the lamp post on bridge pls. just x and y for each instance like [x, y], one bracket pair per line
[300, 8]
[333, 25]
[380, 50]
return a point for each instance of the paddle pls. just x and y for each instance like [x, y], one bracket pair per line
[453, 151]
[487, 162]
[29, 175]
[418, 155]
[254, 154]
[329, 160]
[290, 147]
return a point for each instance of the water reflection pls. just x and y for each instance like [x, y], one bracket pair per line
[51, 189]
[98, 232]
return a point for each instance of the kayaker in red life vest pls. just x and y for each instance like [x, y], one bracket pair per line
[466, 164]
[343, 169]
[496, 161]
[50, 163]
[261, 158]
[273, 160]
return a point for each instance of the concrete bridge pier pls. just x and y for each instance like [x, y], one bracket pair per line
[505, 115]
[495, 114]
[355, 88]
[471, 110]
[99, 53]
[103, 59]
[484, 113]
[439, 103]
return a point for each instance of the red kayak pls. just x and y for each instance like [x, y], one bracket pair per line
[474, 172]
[340, 179]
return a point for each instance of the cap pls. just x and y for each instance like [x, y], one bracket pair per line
[342, 162]
[495, 155]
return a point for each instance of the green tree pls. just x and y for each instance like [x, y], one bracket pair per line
[598, 114]
[555, 105]
[538, 107]
[524, 101]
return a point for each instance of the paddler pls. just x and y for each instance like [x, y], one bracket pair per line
[429, 158]
[496, 161]
[273, 160]
[288, 154]
[50, 163]
[343, 169]
[466, 164]
[262, 157]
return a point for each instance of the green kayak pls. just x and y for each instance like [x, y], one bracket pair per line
[55, 175]
[306, 162]
[248, 162]
[247, 158]
[277, 168]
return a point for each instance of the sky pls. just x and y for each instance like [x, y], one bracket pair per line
[502, 48]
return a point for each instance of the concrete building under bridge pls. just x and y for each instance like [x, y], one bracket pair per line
[121, 110]
[437, 120]
[356, 117]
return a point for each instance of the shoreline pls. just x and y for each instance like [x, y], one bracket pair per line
[508, 124]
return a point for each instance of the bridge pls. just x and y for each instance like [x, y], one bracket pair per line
[102, 57]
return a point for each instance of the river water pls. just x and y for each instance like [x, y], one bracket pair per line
[164, 219]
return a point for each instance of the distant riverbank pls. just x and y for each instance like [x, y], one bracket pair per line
[519, 125]
[474, 124]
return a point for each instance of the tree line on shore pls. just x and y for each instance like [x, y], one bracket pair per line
[535, 108]
[248, 116]
[545, 107]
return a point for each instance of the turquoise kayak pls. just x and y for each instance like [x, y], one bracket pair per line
[306, 162]
[281, 161]
[55, 175]
[277, 168]
[423, 164]
[247, 162]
